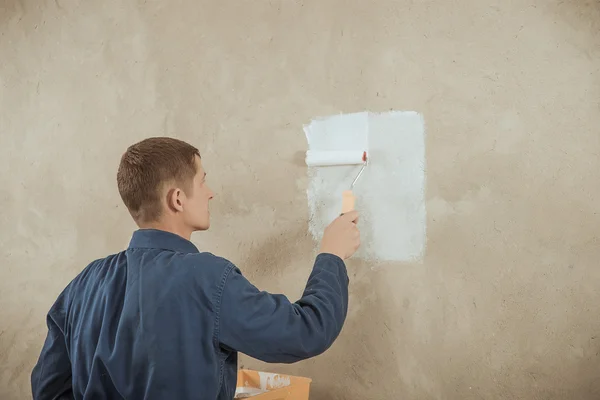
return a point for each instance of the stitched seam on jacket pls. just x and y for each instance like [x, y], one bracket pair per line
[219, 294]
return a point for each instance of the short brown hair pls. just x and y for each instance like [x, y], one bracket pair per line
[146, 167]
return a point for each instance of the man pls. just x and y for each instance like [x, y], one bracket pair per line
[162, 320]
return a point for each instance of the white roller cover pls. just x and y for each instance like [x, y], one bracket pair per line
[324, 158]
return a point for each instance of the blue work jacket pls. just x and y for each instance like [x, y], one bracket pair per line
[162, 320]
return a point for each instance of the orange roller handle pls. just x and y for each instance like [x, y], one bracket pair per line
[348, 201]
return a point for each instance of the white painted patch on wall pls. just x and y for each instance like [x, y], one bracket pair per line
[390, 195]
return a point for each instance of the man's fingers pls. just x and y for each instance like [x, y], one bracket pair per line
[351, 216]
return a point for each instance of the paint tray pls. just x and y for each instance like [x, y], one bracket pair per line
[258, 385]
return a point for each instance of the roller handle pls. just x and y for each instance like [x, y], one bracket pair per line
[348, 201]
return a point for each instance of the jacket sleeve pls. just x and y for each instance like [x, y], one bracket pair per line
[270, 328]
[51, 376]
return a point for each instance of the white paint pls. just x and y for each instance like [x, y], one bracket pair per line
[322, 158]
[247, 391]
[270, 380]
[390, 195]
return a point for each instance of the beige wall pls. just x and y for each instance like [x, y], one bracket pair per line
[507, 301]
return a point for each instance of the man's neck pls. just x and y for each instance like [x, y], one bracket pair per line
[170, 226]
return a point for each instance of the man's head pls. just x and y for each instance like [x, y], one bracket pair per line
[162, 182]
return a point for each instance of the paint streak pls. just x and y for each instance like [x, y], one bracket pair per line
[269, 381]
[247, 391]
[390, 197]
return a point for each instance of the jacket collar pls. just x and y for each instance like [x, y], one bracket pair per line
[157, 239]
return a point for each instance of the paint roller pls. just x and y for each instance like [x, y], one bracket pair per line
[333, 158]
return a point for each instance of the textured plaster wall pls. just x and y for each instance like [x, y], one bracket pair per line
[507, 301]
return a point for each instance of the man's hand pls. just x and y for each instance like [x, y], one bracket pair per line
[342, 237]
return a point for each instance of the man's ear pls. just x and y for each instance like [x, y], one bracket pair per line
[175, 199]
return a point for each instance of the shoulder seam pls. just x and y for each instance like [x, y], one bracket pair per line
[219, 296]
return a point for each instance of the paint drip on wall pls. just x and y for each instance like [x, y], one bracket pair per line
[390, 195]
